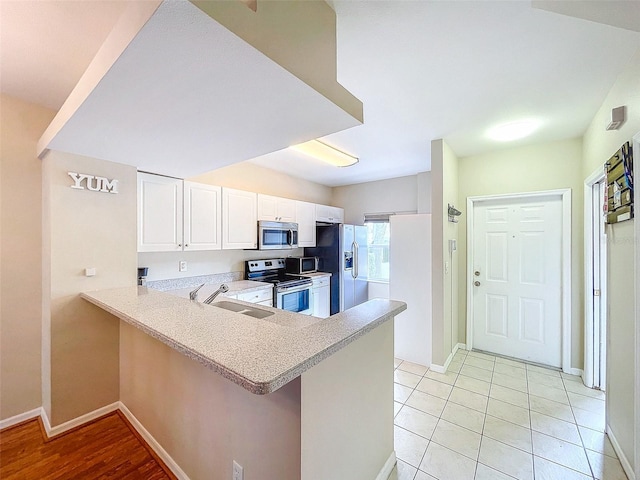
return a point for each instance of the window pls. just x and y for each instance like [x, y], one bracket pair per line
[378, 243]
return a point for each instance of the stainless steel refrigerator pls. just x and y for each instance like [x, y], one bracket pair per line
[342, 251]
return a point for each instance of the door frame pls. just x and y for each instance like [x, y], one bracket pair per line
[636, 200]
[565, 195]
[589, 325]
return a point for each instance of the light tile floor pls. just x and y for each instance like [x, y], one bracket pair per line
[490, 418]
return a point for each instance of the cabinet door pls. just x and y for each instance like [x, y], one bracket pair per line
[306, 218]
[286, 210]
[267, 208]
[202, 216]
[259, 296]
[239, 219]
[329, 214]
[321, 300]
[276, 209]
[159, 213]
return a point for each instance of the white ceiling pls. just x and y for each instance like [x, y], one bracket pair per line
[187, 96]
[423, 70]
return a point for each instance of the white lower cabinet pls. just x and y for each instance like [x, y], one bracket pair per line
[260, 296]
[321, 297]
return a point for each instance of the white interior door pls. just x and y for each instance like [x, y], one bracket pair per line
[517, 280]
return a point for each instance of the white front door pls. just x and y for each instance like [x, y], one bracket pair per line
[517, 278]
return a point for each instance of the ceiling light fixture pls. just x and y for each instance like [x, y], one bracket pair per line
[326, 153]
[513, 130]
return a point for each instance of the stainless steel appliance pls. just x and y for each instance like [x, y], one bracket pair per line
[342, 251]
[277, 235]
[290, 292]
[301, 264]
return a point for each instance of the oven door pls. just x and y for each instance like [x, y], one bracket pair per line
[298, 299]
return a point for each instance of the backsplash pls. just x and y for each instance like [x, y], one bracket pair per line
[188, 282]
[164, 265]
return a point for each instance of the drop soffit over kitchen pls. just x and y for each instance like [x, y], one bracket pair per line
[423, 70]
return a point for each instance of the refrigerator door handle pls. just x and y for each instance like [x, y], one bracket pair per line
[354, 248]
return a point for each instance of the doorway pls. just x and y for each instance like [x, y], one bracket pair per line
[519, 276]
[595, 254]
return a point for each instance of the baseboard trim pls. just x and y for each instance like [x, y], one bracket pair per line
[443, 368]
[626, 465]
[576, 371]
[20, 418]
[153, 443]
[76, 422]
[387, 468]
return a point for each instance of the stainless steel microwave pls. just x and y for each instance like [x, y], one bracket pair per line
[277, 235]
[301, 265]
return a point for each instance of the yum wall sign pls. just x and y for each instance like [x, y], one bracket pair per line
[93, 183]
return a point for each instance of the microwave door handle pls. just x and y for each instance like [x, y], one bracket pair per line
[290, 242]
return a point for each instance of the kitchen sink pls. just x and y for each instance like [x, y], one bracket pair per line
[243, 309]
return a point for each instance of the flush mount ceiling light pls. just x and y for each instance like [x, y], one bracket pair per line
[513, 130]
[326, 153]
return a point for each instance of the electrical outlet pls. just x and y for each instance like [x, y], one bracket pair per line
[446, 267]
[237, 471]
[182, 266]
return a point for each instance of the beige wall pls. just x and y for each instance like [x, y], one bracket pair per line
[358, 440]
[298, 35]
[382, 196]
[533, 168]
[255, 178]
[598, 146]
[444, 169]
[87, 230]
[204, 421]
[21, 124]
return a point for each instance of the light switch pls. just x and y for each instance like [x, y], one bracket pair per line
[90, 272]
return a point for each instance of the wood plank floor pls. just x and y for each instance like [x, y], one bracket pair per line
[105, 448]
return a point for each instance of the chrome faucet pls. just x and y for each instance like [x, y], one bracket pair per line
[223, 289]
[193, 294]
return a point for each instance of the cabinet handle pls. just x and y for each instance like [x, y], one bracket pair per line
[179, 244]
[186, 245]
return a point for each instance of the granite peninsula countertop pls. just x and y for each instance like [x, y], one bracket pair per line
[260, 355]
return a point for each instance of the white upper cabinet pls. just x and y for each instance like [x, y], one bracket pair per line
[239, 219]
[276, 209]
[159, 213]
[306, 218]
[327, 213]
[202, 216]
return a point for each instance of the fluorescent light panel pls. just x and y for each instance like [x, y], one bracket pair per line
[326, 153]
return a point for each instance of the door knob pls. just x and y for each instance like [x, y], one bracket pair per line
[476, 283]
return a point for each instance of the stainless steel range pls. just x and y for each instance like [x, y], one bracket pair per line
[290, 292]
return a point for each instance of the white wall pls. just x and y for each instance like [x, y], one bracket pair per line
[410, 281]
[598, 146]
[383, 196]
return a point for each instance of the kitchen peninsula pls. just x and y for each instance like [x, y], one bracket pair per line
[324, 391]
